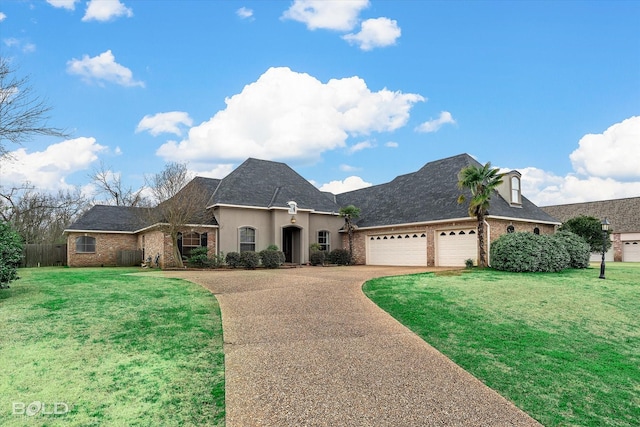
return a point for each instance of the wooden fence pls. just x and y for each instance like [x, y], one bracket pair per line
[129, 258]
[44, 255]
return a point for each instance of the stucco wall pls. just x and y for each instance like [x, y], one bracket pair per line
[107, 247]
[269, 226]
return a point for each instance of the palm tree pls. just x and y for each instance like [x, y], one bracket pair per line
[482, 181]
[350, 213]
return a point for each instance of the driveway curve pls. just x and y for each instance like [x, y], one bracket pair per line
[305, 347]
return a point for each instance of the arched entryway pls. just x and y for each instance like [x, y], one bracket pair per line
[291, 242]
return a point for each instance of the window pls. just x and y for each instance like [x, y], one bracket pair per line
[536, 230]
[510, 229]
[323, 241]
[85, 244]
[247, 239]
[515, 189]
[189, 241]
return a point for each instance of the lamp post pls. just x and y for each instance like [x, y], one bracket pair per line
[605, 227]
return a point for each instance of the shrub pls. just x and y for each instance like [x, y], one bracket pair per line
[577, 247]
[249, 259]
[10, 254]
[468, 263]
[198, 257]
[340, 257]
[217, 261]
[525, 251]
[233, 259]
[272, 258]
[317, 258]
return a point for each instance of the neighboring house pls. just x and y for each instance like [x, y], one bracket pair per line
[622, 214]
[413, 220]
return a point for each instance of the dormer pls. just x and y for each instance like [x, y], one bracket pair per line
[511, 188]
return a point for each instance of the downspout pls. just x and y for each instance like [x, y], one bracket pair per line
[488, 242]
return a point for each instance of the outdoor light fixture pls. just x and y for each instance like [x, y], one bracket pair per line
[293, 219]
[605, 228]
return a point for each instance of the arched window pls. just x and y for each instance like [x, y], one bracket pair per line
[85, 245]
[510, 229]
[536, 230]
[324, 240]
[247, 239]
[515, 189]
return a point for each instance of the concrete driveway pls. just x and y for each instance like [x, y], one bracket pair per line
[305, 347]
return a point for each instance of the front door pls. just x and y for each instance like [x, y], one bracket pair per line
[291, 244]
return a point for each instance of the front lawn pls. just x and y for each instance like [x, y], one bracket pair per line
[564, 347]
[105, 347]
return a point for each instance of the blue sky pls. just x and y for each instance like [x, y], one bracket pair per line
[348, 93]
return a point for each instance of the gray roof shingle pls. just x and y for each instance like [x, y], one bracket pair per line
[111, 218]
[263, 183]
[430, 194]
[621, 213]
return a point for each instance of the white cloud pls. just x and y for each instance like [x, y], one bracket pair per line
[25, 47]
[348, 168]
[360, 146]
[392, 144]
[164, 123]
[117, 151]
[614, 153]
[65, 4]
[329, 15]
[348, 184]
[605, 167]
[218, 171]
[244, 13]
[378, 32]
[47, 169]
[435, 124]
[102, 68]
[106, 10]
[290, 115]
[2, 16]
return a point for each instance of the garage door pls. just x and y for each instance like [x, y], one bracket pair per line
[454, 247]
[631, 252]
[397, 249]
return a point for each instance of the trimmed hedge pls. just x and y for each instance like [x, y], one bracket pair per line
[317, 258]
[339, 256]
[523, 251]
[249, 259]
[272, 258]
[233, 259]
[578, 248]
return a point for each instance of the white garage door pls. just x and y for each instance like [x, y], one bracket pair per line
[456, 246]
[631, 251]
[397, 249]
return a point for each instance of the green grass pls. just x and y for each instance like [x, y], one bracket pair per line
[119, 349]
[564, 347]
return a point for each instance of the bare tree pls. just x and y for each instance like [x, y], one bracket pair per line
[180, 202]
[22, 113]
[40, 217]
[110, 184]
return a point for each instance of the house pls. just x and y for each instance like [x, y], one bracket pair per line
[624, 220]
[413, 220]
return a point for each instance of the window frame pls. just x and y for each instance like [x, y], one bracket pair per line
[326, 235]
[83, 246]
[245, 242]
[516, 194]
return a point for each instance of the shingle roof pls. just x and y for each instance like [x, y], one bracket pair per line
[623, 214]
[430, 194]
[268, 184]
[111, 218]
